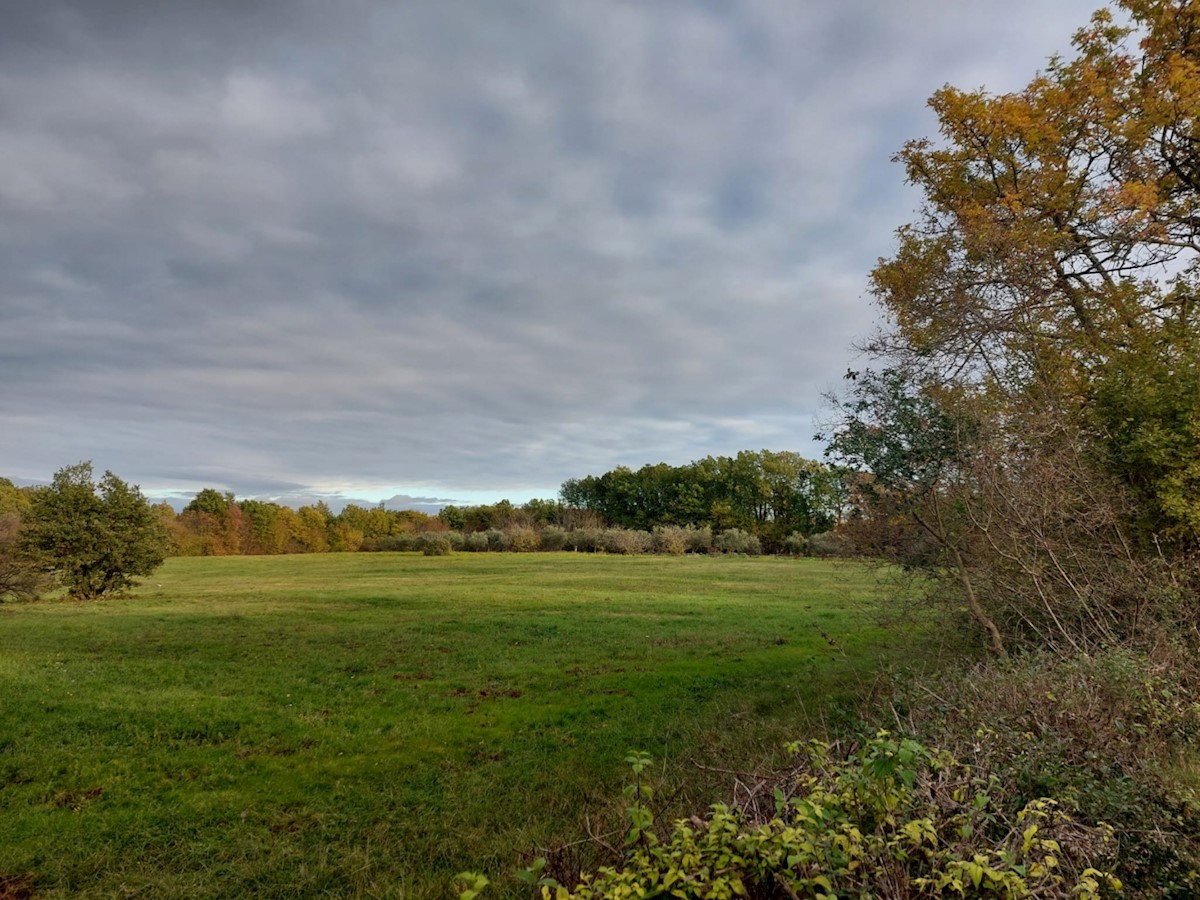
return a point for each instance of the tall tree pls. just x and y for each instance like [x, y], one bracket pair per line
[1047, 292]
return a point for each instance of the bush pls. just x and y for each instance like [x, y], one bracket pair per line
[395, 543]
[1104, 729]
[476, 542]
[626, 541]
[829, 543]
[495, 539]
[522, 539]
[795, 544]
[699, 540]
[737, 541]
[20, 576]
[586, 540]
[553, 538]
[93, 536]
[891, 820]
[434, 543]
[670, 539]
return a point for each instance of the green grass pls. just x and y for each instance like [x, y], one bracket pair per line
[370, 724]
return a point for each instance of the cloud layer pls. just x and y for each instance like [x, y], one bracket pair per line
[456, 250]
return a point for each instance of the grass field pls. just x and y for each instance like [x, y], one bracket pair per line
[370, 724]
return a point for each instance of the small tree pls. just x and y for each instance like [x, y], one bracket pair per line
[94, 536]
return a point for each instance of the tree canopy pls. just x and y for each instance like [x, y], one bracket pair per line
[96, 537]
[1044, 302]
[767, 493]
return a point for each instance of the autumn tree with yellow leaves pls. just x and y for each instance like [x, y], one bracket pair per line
[1031, 427]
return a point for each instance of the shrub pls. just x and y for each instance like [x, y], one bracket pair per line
[396, 542]
[795, 544]
[699, 540]
[626, 541]
[670, 539]
[553, 538]
[1106, 729]
[476, 541]
[522, 539]
[737, 541]
[586, 540]
[495, 539]
[434, 543]
[20, 577]
[891, 820]
[93, 536]
[829, 543]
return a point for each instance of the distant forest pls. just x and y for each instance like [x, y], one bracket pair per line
[757, 500]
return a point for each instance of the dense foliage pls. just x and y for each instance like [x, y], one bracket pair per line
[752, 503]
[20, 576]
[94, 537]
[1030, 432]
[767, 494]
[890, 820]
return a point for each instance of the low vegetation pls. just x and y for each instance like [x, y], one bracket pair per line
[889, 820]
[371, 724]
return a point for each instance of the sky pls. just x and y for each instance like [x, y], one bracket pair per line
[454, 250]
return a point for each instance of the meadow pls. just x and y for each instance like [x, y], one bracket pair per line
[371, 724]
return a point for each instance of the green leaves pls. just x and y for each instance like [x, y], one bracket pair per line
[893, 810]
[471, 884]
[95, 537]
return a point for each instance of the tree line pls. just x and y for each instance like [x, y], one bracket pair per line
[770, 495]
[767, 495]
[755, 502]
[216, 523]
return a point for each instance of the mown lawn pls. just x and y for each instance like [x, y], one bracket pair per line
[370, 724]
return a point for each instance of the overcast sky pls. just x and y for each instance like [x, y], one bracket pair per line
[453, 249]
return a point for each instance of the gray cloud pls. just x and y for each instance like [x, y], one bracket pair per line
[293, 248]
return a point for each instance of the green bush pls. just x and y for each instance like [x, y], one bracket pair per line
[20, 576]
[737, 541]
[475, 542]
[553, 538]
[1107, 730]
[626, 541]
[586, 540]
[795, 544]
[892, 819]
[699, 540]
[395, 543]
[434, 543]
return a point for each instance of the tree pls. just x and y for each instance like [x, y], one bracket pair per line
[263, 529]
[14, 501]
[20, 576]
[95, 537]
[1046, 297]
[210, 525]
[1058, 250]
